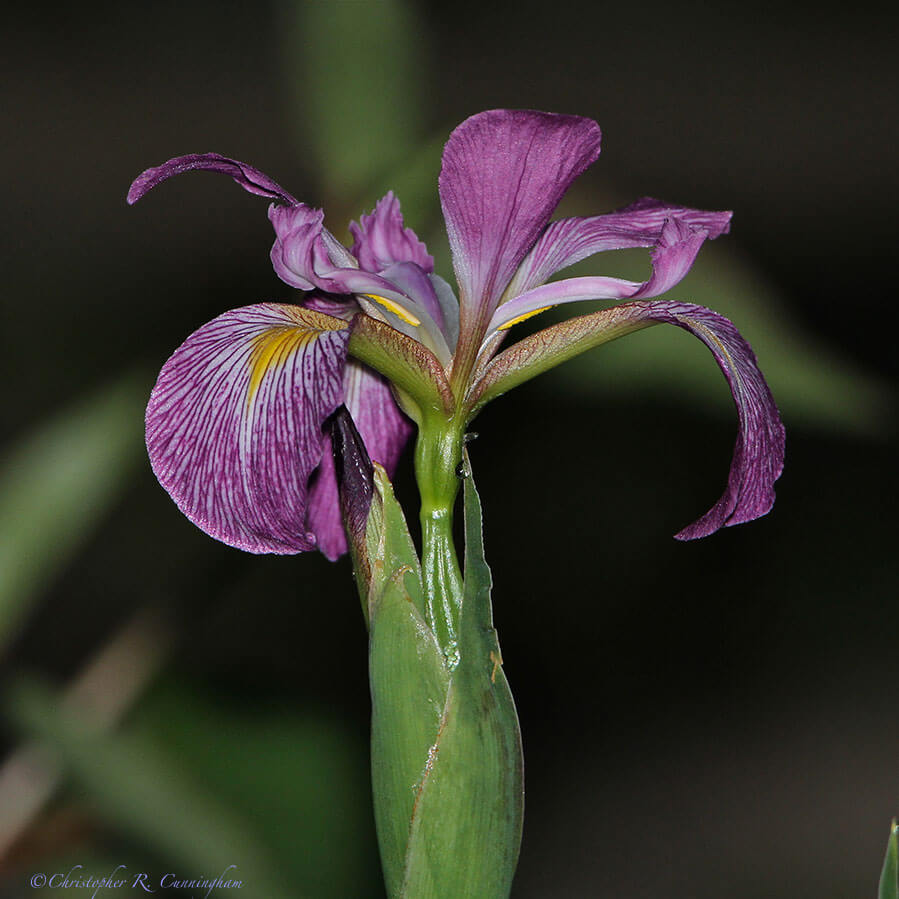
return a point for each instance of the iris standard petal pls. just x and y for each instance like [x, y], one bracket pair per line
[234, 423]
[380, 239]
[674, 254]
[759, 450]
[385, 432]
[503, 173]
[249, 178]
[568, 241]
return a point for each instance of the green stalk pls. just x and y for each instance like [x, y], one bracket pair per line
[446, 747]
[438, 454]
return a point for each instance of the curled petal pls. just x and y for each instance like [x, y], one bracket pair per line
[234, 423]
[384, 431]
[249, 178]
[759, 450]
[305, 254]
[380, 240]
[568, 241]
[677, 247]
[503, 173]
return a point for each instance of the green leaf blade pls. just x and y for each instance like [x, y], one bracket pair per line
[889, 876]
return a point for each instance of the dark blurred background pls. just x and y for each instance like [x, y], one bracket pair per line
[708, 719]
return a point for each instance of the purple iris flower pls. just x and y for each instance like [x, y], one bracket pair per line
[235, 421]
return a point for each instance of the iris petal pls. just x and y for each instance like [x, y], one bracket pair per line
[568, 241]
[674, 254]
[249, 178]
[380, 239]
[234, 423]
[503, 173]
[385, 432]
[759, 451]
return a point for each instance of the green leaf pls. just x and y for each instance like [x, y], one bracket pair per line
[409, 683]
[57, 483]
[889, 878]
[466, 831]
[144, 792]
[356, 70]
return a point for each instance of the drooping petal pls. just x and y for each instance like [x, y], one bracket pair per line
[249, 178]
[234, 423]
[503, 173]
[380, 239]
[568, 241]
[759, 451]
[678, 244]
[384, 430]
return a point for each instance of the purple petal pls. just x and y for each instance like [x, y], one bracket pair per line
[411, 280]
[384, 430]
[246, 176]
[679, 242]
[568, 241]
[380, 240]
[759, 451]
[305, 254]
[234, 423]
[503, 173]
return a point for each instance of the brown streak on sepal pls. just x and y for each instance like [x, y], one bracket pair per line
[405, 362]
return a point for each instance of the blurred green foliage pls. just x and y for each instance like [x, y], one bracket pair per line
[55, 485]
[203, 784]
[357, 73]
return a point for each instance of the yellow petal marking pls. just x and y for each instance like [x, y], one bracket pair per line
[522, 318]
[271, 349]
[395, 308]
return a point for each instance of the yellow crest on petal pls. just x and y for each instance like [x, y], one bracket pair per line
[273, 348]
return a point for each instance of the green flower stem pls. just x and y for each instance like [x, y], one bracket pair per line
[438, 455]
[446, 749]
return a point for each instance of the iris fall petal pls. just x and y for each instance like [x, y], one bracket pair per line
[234, 423]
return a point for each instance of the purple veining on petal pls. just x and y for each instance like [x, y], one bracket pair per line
[234, 423]
[385, 432]
[380, 239]
[249, 178]
[679, 242]
[568, 241]
[759, 450]
[503, 173]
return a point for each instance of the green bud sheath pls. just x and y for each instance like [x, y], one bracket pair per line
[446, 748]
